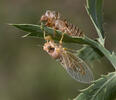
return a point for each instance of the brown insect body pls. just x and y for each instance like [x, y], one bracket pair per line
[75, 66]
[53, 20]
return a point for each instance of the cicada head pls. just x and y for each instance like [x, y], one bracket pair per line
[47, 16]
[52, 49]
[50, 15]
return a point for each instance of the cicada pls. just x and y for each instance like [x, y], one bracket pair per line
[53, 19]
[74, 65]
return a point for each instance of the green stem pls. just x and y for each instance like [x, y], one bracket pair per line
[109, 56]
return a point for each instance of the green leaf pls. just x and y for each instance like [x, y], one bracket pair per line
[89, 54]
[36, 31]
[102, 89]
[94, 10]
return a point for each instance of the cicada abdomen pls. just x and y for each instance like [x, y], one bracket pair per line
[75, 31]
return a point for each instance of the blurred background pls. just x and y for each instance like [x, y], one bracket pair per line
[29, 73]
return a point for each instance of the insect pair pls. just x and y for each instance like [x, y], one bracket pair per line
[74, 65]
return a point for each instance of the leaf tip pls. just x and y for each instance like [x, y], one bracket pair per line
[25, 35]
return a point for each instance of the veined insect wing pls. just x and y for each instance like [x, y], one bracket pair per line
[76, 68]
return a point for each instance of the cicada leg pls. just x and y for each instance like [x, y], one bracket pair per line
[60, 42]
[64, 31]
[47, 38]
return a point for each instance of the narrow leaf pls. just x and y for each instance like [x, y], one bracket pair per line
[89, 54]
[36, 31]
[94, 9]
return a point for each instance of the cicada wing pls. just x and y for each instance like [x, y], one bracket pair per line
[76, 68]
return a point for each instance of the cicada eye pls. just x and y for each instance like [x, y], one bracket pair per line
[48, 13]
[50, 49]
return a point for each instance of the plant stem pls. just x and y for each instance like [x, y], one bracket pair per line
[111, 57]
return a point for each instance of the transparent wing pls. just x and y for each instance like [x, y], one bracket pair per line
[76, 67]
